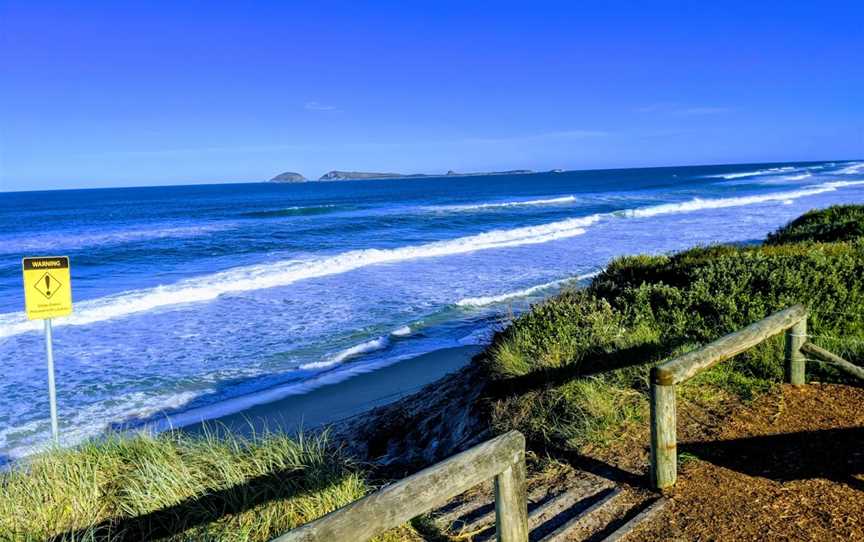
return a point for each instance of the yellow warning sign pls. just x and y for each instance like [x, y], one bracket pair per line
[47, 287]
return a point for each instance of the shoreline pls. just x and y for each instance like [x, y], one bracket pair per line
[340, 401]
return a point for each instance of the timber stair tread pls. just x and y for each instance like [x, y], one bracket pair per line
[622, 528]
[586, 518]
[584, 512]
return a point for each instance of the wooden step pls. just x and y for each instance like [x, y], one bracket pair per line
[646, 514]
[554, 506]
[560, 534]
[476, 514]
[481, 527]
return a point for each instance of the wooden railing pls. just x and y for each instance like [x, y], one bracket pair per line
[665, 377]
[502, 457]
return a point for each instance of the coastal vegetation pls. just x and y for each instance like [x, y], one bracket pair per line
[177, 487]
[571, 374]
[837, 223]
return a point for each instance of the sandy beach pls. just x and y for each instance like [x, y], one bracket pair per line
[352, 397]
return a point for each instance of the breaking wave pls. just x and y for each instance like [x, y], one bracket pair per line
[358, 349]
[504, 204]
[283, 273]
[853, 169]
[697, 204]
[495, 299]
[756, 173]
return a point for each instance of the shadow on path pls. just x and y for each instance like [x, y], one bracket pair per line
[832, 454]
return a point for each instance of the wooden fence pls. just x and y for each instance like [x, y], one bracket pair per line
[502, 457]
[665, 377]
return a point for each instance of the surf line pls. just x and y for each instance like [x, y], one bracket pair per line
[284, 272]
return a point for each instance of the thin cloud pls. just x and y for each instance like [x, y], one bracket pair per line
[317, 106]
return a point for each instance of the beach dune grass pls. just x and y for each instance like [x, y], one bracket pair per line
[574, 369]
[176, 487]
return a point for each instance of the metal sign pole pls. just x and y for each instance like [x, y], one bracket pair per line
[52, 392]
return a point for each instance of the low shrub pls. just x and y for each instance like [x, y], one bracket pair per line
[643, 310]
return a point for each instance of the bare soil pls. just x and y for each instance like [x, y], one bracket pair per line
[789, 466]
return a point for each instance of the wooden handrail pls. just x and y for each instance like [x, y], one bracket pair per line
[692, 363]
[502, 457]
[664, 378]
[838, 362]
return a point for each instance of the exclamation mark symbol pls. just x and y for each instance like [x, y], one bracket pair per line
[48, 285]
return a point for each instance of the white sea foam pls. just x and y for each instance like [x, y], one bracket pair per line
[403, 331]
[800, 177]
[756, 173]
[372, 345]
[504, 204]
[853, 169]
[282, 273]
[697, 204]
[495, 299]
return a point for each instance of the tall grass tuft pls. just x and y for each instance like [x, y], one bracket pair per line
[175, 487]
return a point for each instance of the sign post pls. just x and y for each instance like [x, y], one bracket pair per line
[52, 389]
[48, 294]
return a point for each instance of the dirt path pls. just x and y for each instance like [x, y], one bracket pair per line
[788, 467]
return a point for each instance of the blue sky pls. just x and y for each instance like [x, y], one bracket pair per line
[144, 93]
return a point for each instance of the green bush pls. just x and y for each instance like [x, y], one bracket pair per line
[644, 309]
[837, 223]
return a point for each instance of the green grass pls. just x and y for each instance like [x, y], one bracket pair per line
[176, 487]
[573, 370]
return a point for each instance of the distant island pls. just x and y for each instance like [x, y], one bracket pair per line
[338, 175]
[288, 177]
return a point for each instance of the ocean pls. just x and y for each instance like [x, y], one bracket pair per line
[193, 302]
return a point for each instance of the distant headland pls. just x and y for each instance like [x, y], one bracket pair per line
[338, 175]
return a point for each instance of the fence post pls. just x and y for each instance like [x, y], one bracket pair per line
[511, 504]
[796, 336]
[663, 430]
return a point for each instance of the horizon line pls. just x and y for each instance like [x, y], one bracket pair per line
[423, 176]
